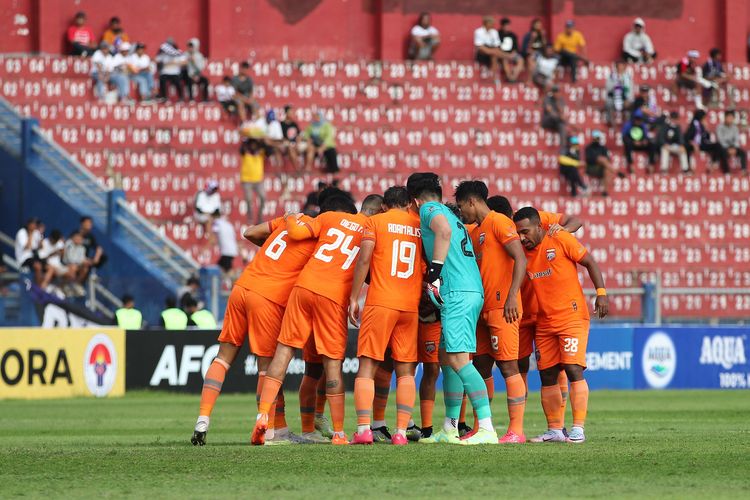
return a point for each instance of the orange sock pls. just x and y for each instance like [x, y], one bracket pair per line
[462, 415]
[336, 402]
[279, 419]
[364, 393]
[259, 389]
[525, 377]
[212, 386]
[382, 390]
[579, 401]
[271, 387]
[307, 391]
[320, 399]
[426, 406]
[562, 381]
[516, 402]
[551, 402]
[406, 393]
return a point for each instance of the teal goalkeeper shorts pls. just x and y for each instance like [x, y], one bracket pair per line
[459, 316]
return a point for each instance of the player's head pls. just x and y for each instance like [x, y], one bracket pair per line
[189, 304]
[338, 203]
[128, 301]
[424, 187]
[471, 198]
[332, 191]
[372, 204]
[396, 197]
[501, 205]
[529, 227]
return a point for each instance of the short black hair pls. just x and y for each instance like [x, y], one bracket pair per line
[85, 218]
[471, 189]
[715, 52]
[188, 301]
[114, 20]
[217, 213]
[729, 112]
[127, 298]
[423, 182]
[674, 115]
[170, 302]
[504, 21]
[454, 208]
[373, 202]
[245, 65]
[332, 191]
[80, 14]
[193, 281]
[321, 185]
[55, 235]
[396, 197]
[530, 213]
[338, 203]
[501, 205]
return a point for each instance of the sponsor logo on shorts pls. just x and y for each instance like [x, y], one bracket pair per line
[659, 360]
[551, 254]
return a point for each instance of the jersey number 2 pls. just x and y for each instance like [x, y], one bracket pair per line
[465, 242]
[343, 243]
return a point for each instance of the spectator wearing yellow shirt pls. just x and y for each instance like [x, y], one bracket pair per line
[571, 47]
[252, 162]
[115, 35]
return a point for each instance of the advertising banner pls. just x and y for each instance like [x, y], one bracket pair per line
[704, 357]
[177, 361]
[38, 363]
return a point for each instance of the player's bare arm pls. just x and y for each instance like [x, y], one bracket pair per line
[515, 250]
[601, 305]
[360, 275]
[257, 234]
[569, 223]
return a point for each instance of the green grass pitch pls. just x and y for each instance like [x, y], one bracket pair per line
[673, 444]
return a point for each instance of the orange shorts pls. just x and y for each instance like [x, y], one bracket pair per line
[497, 337]
[309, 314]
[562, 345]
[383, 327]
[526, 333]
[309, 353]
[250, 313]
[429, 340]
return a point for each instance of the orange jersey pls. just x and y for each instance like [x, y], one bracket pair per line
[528, 299]
[552, 270]
[495, 264]
[275, 268]
[396, 265]
[330, 270]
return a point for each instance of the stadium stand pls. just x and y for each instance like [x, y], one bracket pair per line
[391, 119]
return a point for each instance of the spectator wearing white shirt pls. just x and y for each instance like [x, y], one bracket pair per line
[207, 201]
[225, 93]
[28, 239]
[424, 39]
[51, 252]
[222, 232]
[544, 68]
[101, 68]
[170, 60]
[192, 72]
[119, 76]
[637, 46]
[487, 46]
[139, 67]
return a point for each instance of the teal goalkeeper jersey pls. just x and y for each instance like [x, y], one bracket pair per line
[460, 271]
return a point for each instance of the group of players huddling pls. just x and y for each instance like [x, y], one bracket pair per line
[453, 288]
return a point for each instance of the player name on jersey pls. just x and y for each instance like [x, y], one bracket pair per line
[353, 226]
[404, 229]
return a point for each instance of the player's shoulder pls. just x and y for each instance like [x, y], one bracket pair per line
[498, 218]
[549, 218]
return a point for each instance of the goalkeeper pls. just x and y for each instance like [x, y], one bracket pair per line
[455, 286]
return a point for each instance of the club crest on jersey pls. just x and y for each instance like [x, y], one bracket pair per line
[481, 238]
[551, 254]
[429, 347]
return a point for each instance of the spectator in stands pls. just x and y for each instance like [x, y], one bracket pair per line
[599, 162]
[312, 203]
[570, 166]
[671, 142]
[173, 318]
[713, 72]
[119, 75]
[424, 39]
[192, 72]
[698, 138]
[139, 68]
[512, 61]
[544, 68]
[170, 60]
[636, 45]
[553, 115]
[571, 47]
[74, 256]
[81, 37]
[533, 45]
[252, 159]
[321, 140]
[619, 89]
[689, 77]
[290, 130]
[243, 85]
[27, 242]
[199, 317]
[115, 35]
[728, 136]
[192, 289]
[101, 68]
[222, 232]
[635, 138]
[51, 253]
[487, 46]
[128, 317]
[225, 94]
[94, 252]
[207, 201]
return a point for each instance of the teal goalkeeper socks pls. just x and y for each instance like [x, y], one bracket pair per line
[475, 388]
[453, 392]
